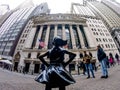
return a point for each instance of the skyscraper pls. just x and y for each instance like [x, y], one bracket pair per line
[4, 8]
[4, 17]
[100, 33]
[109, 13]
[80, 9]
[112, 4]
[13, 26]
[110, 18]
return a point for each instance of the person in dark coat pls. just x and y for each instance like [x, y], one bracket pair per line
[108, 64]
[103, 61]
[117, 58]
[56, 75]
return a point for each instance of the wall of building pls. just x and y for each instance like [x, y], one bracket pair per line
[67, 26]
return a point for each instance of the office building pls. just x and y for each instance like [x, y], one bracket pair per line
[13, 25]
[108, 11]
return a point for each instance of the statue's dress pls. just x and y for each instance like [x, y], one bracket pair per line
[55, 74]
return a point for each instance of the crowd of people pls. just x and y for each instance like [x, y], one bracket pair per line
[88, 63]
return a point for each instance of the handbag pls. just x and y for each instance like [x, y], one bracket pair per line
[93, 60]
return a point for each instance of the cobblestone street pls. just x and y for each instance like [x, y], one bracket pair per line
[16, 81]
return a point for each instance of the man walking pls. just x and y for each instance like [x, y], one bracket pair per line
[103, 61]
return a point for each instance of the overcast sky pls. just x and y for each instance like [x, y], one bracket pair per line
[56, 6]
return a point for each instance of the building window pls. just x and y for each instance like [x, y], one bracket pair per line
[43, 35]
[84, 36]
[74, 27]
[96, 39]
[35, 37]
[59, 30]
[29, 55]
[68, 37]
[102, 45]
[51, 35]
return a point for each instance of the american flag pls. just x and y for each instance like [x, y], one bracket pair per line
[41, 43]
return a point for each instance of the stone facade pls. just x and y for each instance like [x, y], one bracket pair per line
[76, 29]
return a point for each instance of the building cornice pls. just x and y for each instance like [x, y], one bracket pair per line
[59, 18]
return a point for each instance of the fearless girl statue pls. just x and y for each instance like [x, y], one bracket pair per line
[56, 75]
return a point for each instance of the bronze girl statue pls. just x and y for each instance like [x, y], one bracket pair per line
[56, 75]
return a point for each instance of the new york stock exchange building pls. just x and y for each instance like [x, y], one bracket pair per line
[83, 33]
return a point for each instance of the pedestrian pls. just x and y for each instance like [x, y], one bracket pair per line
[108, 63]
[117, 58]
[111, 59]
[103, 60]
[24, 70]
[88, 65]
[56, 75]
[82, 65]
[93, 62]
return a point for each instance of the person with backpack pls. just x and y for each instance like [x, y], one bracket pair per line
[103, 61]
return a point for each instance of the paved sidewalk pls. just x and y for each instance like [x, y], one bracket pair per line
[16, 81]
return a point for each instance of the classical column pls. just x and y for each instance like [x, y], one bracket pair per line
[72, 37]
[89, 37]
[31, 69]
[47, 36]
[63, 32]
[39, 37]
[80, 37]
[21, 64]
[29, 40]
[55, 32]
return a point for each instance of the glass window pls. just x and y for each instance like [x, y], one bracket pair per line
[43, 35]
[51, 35]
[59, 30]
[68, 37]
[29, 55]
[77, 40]
[84, 36]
